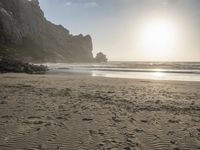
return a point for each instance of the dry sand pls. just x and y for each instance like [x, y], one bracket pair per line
[89, 113]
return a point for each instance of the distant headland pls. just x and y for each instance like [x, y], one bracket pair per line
[27, 35]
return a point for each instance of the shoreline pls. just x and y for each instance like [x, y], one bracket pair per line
[63, 75]
[82, 112]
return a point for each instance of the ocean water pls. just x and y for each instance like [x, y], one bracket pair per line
[180, 71]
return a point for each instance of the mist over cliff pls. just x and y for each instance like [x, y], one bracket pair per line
[26, 34]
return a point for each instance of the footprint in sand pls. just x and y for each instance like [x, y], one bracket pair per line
[7, 116]
[3, 102]
[87, 119]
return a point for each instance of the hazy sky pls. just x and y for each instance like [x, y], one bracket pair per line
[115, 26]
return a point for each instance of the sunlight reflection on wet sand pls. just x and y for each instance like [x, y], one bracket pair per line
[148, 75]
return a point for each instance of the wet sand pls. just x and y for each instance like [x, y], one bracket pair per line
[39, 112]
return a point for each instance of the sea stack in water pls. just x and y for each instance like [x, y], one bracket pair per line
[27, 35]
[100, 57]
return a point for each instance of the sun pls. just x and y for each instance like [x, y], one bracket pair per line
[158, 39]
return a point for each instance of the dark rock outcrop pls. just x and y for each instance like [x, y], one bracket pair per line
[100, 57]
[27, 35]
[8, 64]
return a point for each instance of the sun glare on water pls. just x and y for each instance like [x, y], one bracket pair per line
[158, 39]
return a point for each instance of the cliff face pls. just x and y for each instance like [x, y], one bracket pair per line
[26, 34]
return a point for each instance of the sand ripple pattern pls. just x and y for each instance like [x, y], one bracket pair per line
[82, 113]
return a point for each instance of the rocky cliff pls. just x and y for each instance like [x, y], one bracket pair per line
[26, 34]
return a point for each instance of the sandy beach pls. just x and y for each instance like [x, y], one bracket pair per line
[49, 112]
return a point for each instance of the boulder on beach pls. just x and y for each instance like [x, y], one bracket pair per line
[8, 64]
